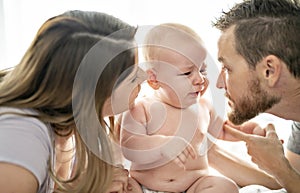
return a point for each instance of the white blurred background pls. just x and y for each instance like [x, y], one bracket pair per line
[20, 19]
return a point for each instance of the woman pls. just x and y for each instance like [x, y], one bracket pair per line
[50, 139]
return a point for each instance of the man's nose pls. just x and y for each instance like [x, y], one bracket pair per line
[221, 81]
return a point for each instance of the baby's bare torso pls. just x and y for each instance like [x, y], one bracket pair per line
[191, 124]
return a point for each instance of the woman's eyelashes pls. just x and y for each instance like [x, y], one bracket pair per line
[134, 78]
[139, 77]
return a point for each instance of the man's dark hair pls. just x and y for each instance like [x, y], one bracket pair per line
[265, 27]
[257, 8]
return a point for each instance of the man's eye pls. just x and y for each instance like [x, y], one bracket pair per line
[224, 69]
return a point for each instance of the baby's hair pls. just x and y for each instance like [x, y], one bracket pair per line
[159, 37]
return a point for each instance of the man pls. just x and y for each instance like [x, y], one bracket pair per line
[259, 49]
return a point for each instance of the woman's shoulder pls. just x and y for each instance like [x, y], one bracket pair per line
[16, 111]
[25, 137]
[23, 119]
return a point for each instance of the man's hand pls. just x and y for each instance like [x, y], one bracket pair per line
[267, 152]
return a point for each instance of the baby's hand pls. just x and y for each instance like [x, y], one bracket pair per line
[178, 150]
[180, 160]
[252, 128]
[249, 128]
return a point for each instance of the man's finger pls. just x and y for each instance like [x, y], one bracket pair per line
[270, 131]
[236, 133]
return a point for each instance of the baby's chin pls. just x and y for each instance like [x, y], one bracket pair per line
[185, 105]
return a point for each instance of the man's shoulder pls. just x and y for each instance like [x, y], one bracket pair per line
[296, 125]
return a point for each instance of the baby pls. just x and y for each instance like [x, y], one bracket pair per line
[168, 135]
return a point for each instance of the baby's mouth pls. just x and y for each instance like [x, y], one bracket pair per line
[194, 94]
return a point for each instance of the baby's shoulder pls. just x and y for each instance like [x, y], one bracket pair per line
[137, 112]
[147, 106]
[144, 103]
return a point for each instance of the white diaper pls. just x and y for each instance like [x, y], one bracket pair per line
[146, 190]
[259, 189]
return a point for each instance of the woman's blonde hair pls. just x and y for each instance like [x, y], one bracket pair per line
[43, 81]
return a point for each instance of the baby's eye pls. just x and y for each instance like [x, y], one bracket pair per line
[203, 72]
[186, 73]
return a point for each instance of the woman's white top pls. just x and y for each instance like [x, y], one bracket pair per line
[27, 142]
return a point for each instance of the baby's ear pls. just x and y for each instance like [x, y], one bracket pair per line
[152, 80]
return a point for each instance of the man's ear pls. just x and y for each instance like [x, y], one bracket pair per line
[152, 79]
[272, 67]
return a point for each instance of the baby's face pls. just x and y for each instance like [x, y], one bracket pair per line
[182, 74]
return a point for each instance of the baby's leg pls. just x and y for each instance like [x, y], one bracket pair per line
[135, 186]
[213, 184]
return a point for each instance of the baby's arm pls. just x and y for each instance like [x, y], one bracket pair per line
[247, 127]
[141, 148]
[216, 123]
[136, 143]
[217, 126]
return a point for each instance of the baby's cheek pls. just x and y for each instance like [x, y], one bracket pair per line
[205, 86]
[184, 86]
[185, 83]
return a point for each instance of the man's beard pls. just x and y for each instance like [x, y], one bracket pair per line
[250, 105]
